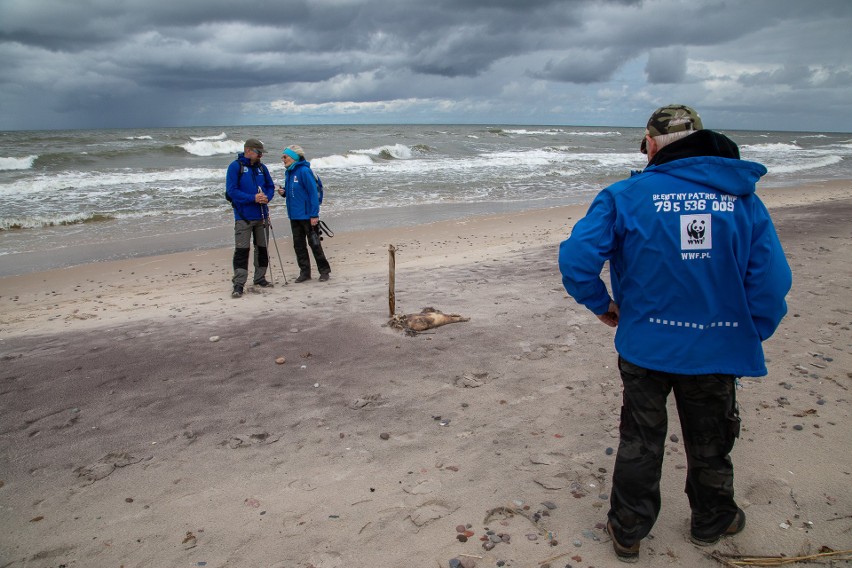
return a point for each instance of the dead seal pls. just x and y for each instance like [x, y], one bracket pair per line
[426, 319]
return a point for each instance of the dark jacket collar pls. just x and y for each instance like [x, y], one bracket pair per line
[702, 143]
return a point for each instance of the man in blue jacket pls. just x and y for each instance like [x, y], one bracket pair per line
[699, 281]
[249, 187]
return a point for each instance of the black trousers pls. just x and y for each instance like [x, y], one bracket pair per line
[300, 229]
[710, 422]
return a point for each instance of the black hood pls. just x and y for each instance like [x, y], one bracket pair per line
[702, 143]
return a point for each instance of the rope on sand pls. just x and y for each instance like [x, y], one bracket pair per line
[731, 560]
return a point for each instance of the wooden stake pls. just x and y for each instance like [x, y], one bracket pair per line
[391, 280]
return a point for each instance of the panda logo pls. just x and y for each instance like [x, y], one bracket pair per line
[696, 232]
[696, 228]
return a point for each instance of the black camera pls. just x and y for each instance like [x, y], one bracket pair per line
[315, 235]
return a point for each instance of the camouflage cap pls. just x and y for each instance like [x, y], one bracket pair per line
[669, 119]
[254, 144]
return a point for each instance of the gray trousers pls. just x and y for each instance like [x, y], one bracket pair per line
[243, 233]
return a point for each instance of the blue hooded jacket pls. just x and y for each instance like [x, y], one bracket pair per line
[242, 194]
[300, 191]
[696, 266]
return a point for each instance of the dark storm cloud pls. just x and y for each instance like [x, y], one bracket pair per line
[666, 65]
[102, 63]
[582, 66]
[450, 38]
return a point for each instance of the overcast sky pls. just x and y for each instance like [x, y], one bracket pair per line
[749, 64]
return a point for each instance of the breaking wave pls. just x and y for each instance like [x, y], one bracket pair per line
[38, 222]
[8, 164]
[212, 146]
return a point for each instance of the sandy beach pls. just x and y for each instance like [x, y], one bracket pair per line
[146, 422]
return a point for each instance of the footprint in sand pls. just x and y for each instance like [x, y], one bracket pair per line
[765, 491]
[423, 487]
[105, 466]
[368, 402]
[295, 524]
[431, 511]
[473, 379]
[301, 485]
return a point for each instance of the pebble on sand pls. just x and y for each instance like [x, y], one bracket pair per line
[281, 360]
[214, 339]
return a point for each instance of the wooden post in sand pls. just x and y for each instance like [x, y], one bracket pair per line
[391, 279]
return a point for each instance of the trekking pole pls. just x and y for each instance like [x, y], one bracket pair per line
[266, 226]
[269, 222]
[264, 214]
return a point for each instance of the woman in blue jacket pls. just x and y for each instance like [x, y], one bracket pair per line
[303, 202]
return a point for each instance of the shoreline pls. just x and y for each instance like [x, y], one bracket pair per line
[82, 296]
[212, 235]
[150, 287]
[145, 420]
[209, 235]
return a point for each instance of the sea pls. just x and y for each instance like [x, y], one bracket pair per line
[78, 196]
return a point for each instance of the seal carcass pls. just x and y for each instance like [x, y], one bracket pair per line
[426, 319]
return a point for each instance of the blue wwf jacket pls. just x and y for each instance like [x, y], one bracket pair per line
[241, 185]
[696, 266]
[300, 192]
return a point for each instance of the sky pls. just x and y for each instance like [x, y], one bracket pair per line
[743, 64]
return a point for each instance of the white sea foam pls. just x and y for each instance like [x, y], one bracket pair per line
[535, 163]
[337, 161]
[212, 147]
[565, 172]
[559, 131]
[222, 136]
[770, 148]
[38, 221]
[59, 219]
[805, 165]
[523, 131]
[139, 138]
[565, 155]
[17, 163]
[595, 134]
[74, 184]
[398, 151]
